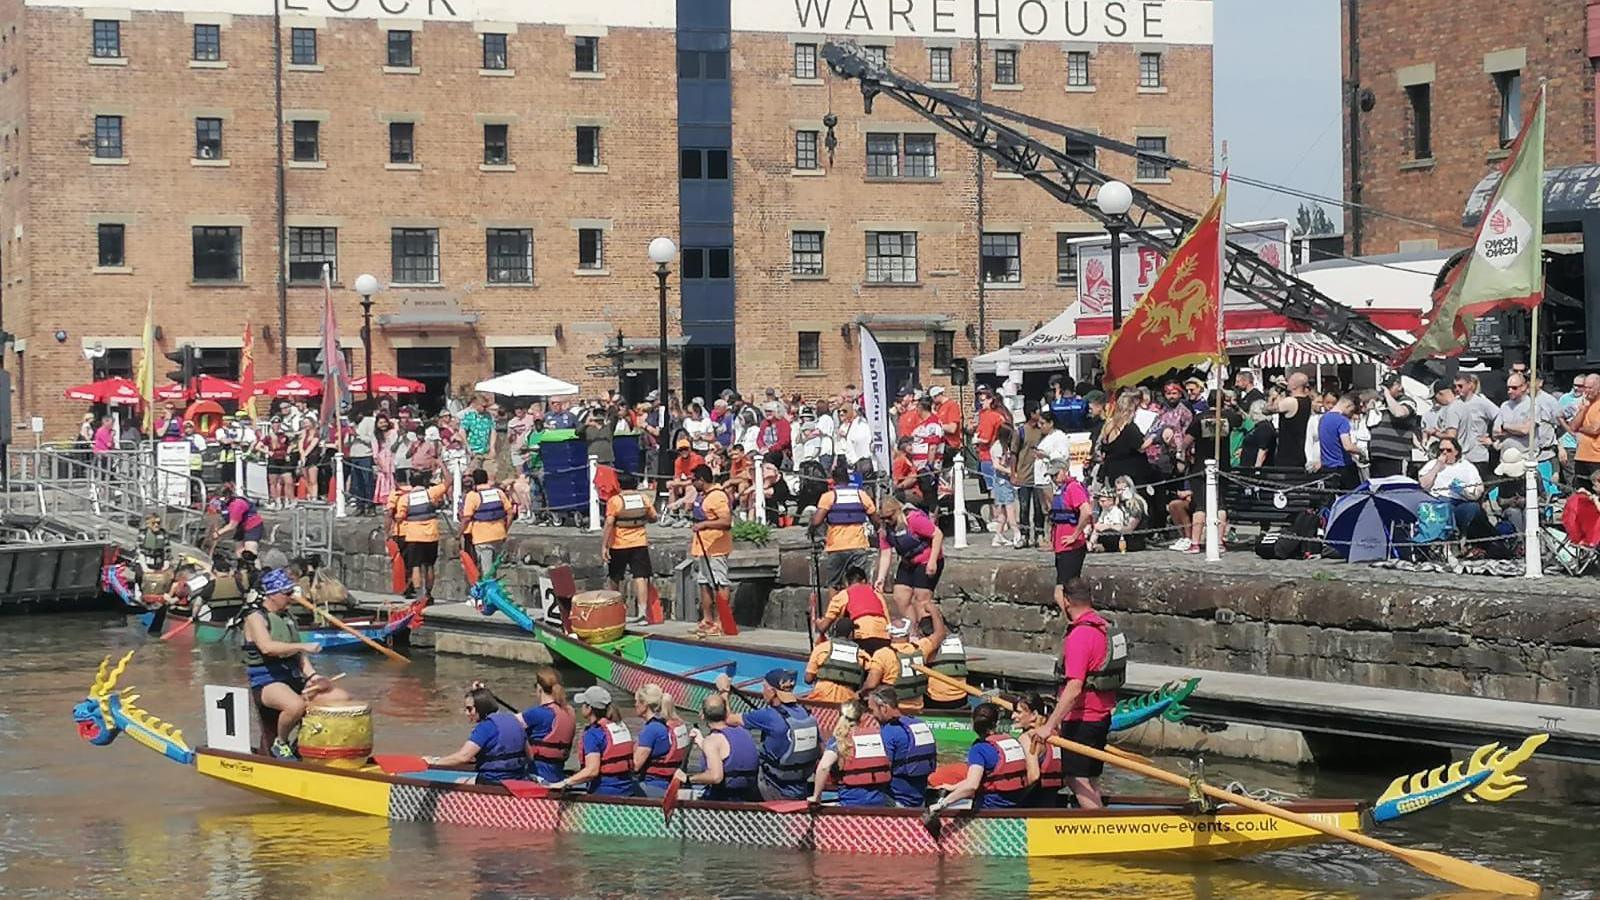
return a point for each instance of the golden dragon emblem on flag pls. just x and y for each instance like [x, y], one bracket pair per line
[1173, 320]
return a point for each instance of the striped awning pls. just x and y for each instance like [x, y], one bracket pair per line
[1304, 351]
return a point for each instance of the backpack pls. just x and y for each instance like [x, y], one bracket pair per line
[1303, 539]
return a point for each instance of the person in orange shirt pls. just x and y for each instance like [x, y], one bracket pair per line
[949, 413]
[710, 546]
[868, 611]
[1585, 426]
[903, 473]
[845, 510]
[989, 421]
[418, 511]
[740, 474]
[624, 545]
[485, 519]
[680, 489]
[837, 669]
[910, 683]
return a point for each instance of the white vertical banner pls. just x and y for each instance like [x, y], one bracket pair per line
[172, 472]
[875, 398]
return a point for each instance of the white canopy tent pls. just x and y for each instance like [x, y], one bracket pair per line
[527, 383]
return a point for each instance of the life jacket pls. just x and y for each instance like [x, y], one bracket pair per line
[863, 601]
[1069, 413]
[419, 506]
[1051, 778]
[848, 507]
[491, 506]
[1112, 672]
[843, 664]
[616, 757]
[666, 766]
[910, 683]
[250, 510]
[506, 755]
[868, 765]
[798, 762]
[952, 657]
[739, 770]
[557, 744]
[1011, 775]
[909, 544]
[635, 509]
[700, 504]
[1060, 512]
[280, 627]
[922, 756]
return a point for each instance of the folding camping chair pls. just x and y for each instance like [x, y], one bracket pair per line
[1430, 536]
[1575, 546]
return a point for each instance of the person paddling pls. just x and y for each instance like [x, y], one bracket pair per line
[278, 663]
[838, 668]
[605, 760]
[497, 747]
[909, 742]
[856, 758]
[1000, 772]
[663, 740]
[731, 758]
[551, 727]
[790, 739]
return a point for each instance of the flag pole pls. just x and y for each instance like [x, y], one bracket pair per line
[1218, 363]
[1533, 557]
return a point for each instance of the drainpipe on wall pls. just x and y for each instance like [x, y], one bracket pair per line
[1352, 95]
[1593, 43]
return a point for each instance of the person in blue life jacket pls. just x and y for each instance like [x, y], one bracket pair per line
[605, 758]
[1001, 772]
[732, 761]
[278, 663]
[855, 758]
[1070, 411]
[498, 745]
[663, 743]
[909, 744]
[791, 741]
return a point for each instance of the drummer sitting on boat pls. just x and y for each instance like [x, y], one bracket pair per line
[278, 663]
[498, 745]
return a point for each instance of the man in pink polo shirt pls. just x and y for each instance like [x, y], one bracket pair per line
[1094, 661]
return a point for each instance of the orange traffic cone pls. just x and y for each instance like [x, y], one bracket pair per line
[653, 614]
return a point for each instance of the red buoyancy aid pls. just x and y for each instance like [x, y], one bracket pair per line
[616, 758]
[868, 765]
[863, 601]
[1011, 774]
[1051, 778]
[667, 766]
[555, 746]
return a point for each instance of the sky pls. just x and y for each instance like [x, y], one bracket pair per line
[1277, 102]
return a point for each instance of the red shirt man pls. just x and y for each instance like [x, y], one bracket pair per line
[948, 412]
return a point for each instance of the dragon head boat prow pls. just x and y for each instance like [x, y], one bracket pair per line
[108, 712]
[1485, 776]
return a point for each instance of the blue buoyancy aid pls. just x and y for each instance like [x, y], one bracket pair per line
[420, 506]
[1069, 413]
[798, 762]
[909, 544]
[505, 757]
[700, 504]
[739, 769]
[491, 506]
[1060, 512]
[922, 754]
[848, 507]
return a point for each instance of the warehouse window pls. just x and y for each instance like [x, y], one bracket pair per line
[108, 137]
[589, 145]
[591, 248]
[515, 359]
[107, 39]
[1149, 70]
[1005, 69]
[510, 252]
[1078, 68]
[309, 249]
[414, 255]
[891, 257]
[883, 155]
[303, 46]
[810, 351]
[805, 60]
[939, 65]
[307, 141]
[400, 50]
[218, 253]
[496, 145]
[703, 65]
[1000, 260]
[494, 51]
[402, 142]
[586, 54]
[1155, 166]
[805, 150]
[944, 349]
[207, 138]
[207, 43]
[708, 164]
[1421, 120]
[878, 53]
[707, 262]
[805, 253]
[920, 156]
[1080, 151]
[1509, 86]
[1066, 260]
[112, 248]
[1008, 336]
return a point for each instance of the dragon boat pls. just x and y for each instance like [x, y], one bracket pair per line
[687, 670]
[1130, 827]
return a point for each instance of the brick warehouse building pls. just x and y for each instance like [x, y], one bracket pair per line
[500, 167]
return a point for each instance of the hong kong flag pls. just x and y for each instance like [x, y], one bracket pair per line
[1177, 322]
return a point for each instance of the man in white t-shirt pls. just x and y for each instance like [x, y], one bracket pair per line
[1054, 447]
[855, 435]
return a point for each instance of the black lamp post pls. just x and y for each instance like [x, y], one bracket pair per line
[663, 251]
[366, 286]
[1114, 200]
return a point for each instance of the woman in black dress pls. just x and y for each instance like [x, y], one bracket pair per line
[1121, 445]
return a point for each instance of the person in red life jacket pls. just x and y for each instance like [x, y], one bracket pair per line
[773, 435]
[605, 758]
[242, 520]
[732, 761]
[910, 536]
[868, 612]
[1094, 664]
[1071, 514]
[949, 413]
[663, 743]
[550, 727]
[909, 742]
[497, 747]
[1028, 713]
[855, 759]
[846, 511]
[1000, 772]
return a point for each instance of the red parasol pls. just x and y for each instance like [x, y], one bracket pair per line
[384, 383]
[206, 387]
[114, 391]
[290, 386]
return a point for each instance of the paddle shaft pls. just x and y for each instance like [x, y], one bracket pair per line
[816, 594]
[1460, 872]
[351, 631]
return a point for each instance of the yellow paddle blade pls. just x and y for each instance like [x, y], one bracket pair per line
[1468, 874]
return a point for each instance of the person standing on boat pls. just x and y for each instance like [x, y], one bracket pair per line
[910, 535]
[497, 747]
[625, 546]
[837, 669]
[243, 521]
[909, 743]
[1029, 712]
[1000, 772]
[485, 519]
[418, 512]
[856, 759]
[1094, 663]
[605, 759]
[710, 545]
[551, 727]
[732, 762]
[790, 738]
[278, 663]
[868, 611]
[846, 511]
[663, 742]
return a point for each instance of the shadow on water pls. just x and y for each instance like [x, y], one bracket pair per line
[77, 821]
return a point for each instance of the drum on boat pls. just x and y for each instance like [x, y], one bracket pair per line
[599, 616]
[337, 735]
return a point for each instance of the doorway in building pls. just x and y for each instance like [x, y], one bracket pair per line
[429, 365]
[638, 383]
[707, 372]
[902, 363]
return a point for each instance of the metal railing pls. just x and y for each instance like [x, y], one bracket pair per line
[105, 495]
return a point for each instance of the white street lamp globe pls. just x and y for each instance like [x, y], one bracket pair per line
[1114, 198]
[367, 285]
[663, 251]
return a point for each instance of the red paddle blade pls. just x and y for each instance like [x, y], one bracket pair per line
[948, 775]
[786, 806]
[653, 613]
[670, 801]
[398, 764]
[469, 566]
[526, 790]
[725, 614]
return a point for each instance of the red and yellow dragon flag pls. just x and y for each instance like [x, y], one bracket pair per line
[247, 374]
[1177, 321]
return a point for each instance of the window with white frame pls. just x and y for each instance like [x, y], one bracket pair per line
[805, 253]
[891, 257]
[414, 255]
[1000, 258]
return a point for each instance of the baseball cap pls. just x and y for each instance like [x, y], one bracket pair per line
[783, 680]
[1391, 379]
[900, 628]
[683, 443]
[773, 408]
[594, 697]
[652, 397]
[936, 391]
[1095, 397]
[1443, 385]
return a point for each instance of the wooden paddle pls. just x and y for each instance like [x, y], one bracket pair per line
[351, 631]
[1445, 868]
[1008, 705]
